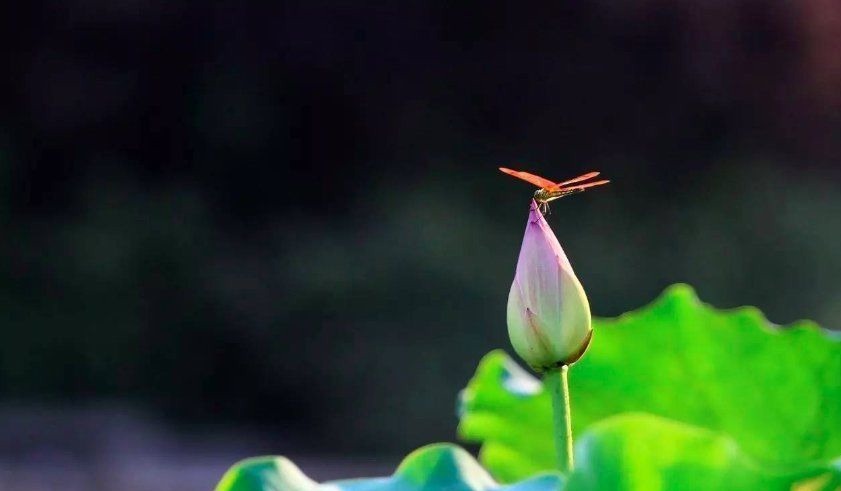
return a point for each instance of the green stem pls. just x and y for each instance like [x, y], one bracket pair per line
[556, 381]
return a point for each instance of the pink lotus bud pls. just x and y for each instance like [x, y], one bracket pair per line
[548, 312]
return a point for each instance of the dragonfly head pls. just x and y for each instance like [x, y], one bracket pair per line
[541, 195]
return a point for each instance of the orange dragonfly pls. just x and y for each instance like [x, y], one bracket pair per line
[553, 190]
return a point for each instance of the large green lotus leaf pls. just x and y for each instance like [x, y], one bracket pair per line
[439, 467]
[642, 452]
[775, 391]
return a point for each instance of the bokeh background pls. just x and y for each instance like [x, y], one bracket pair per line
[235, 228]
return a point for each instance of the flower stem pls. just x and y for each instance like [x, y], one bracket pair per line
[556, 381]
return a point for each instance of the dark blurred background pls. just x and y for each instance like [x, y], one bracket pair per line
[232, 229]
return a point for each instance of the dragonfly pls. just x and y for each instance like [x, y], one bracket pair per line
[550, 191]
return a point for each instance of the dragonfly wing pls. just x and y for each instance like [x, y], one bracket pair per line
[582, 177]
[566, 191]
[536, 180]
[582, 187]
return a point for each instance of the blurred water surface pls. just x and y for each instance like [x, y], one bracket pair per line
[118, 448]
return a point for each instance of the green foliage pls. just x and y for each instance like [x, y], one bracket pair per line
[677, 395]
[434, 467]
[642, 452]
[629, 452]
[740, 394]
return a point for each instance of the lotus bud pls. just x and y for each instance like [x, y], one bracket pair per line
[548, 311]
